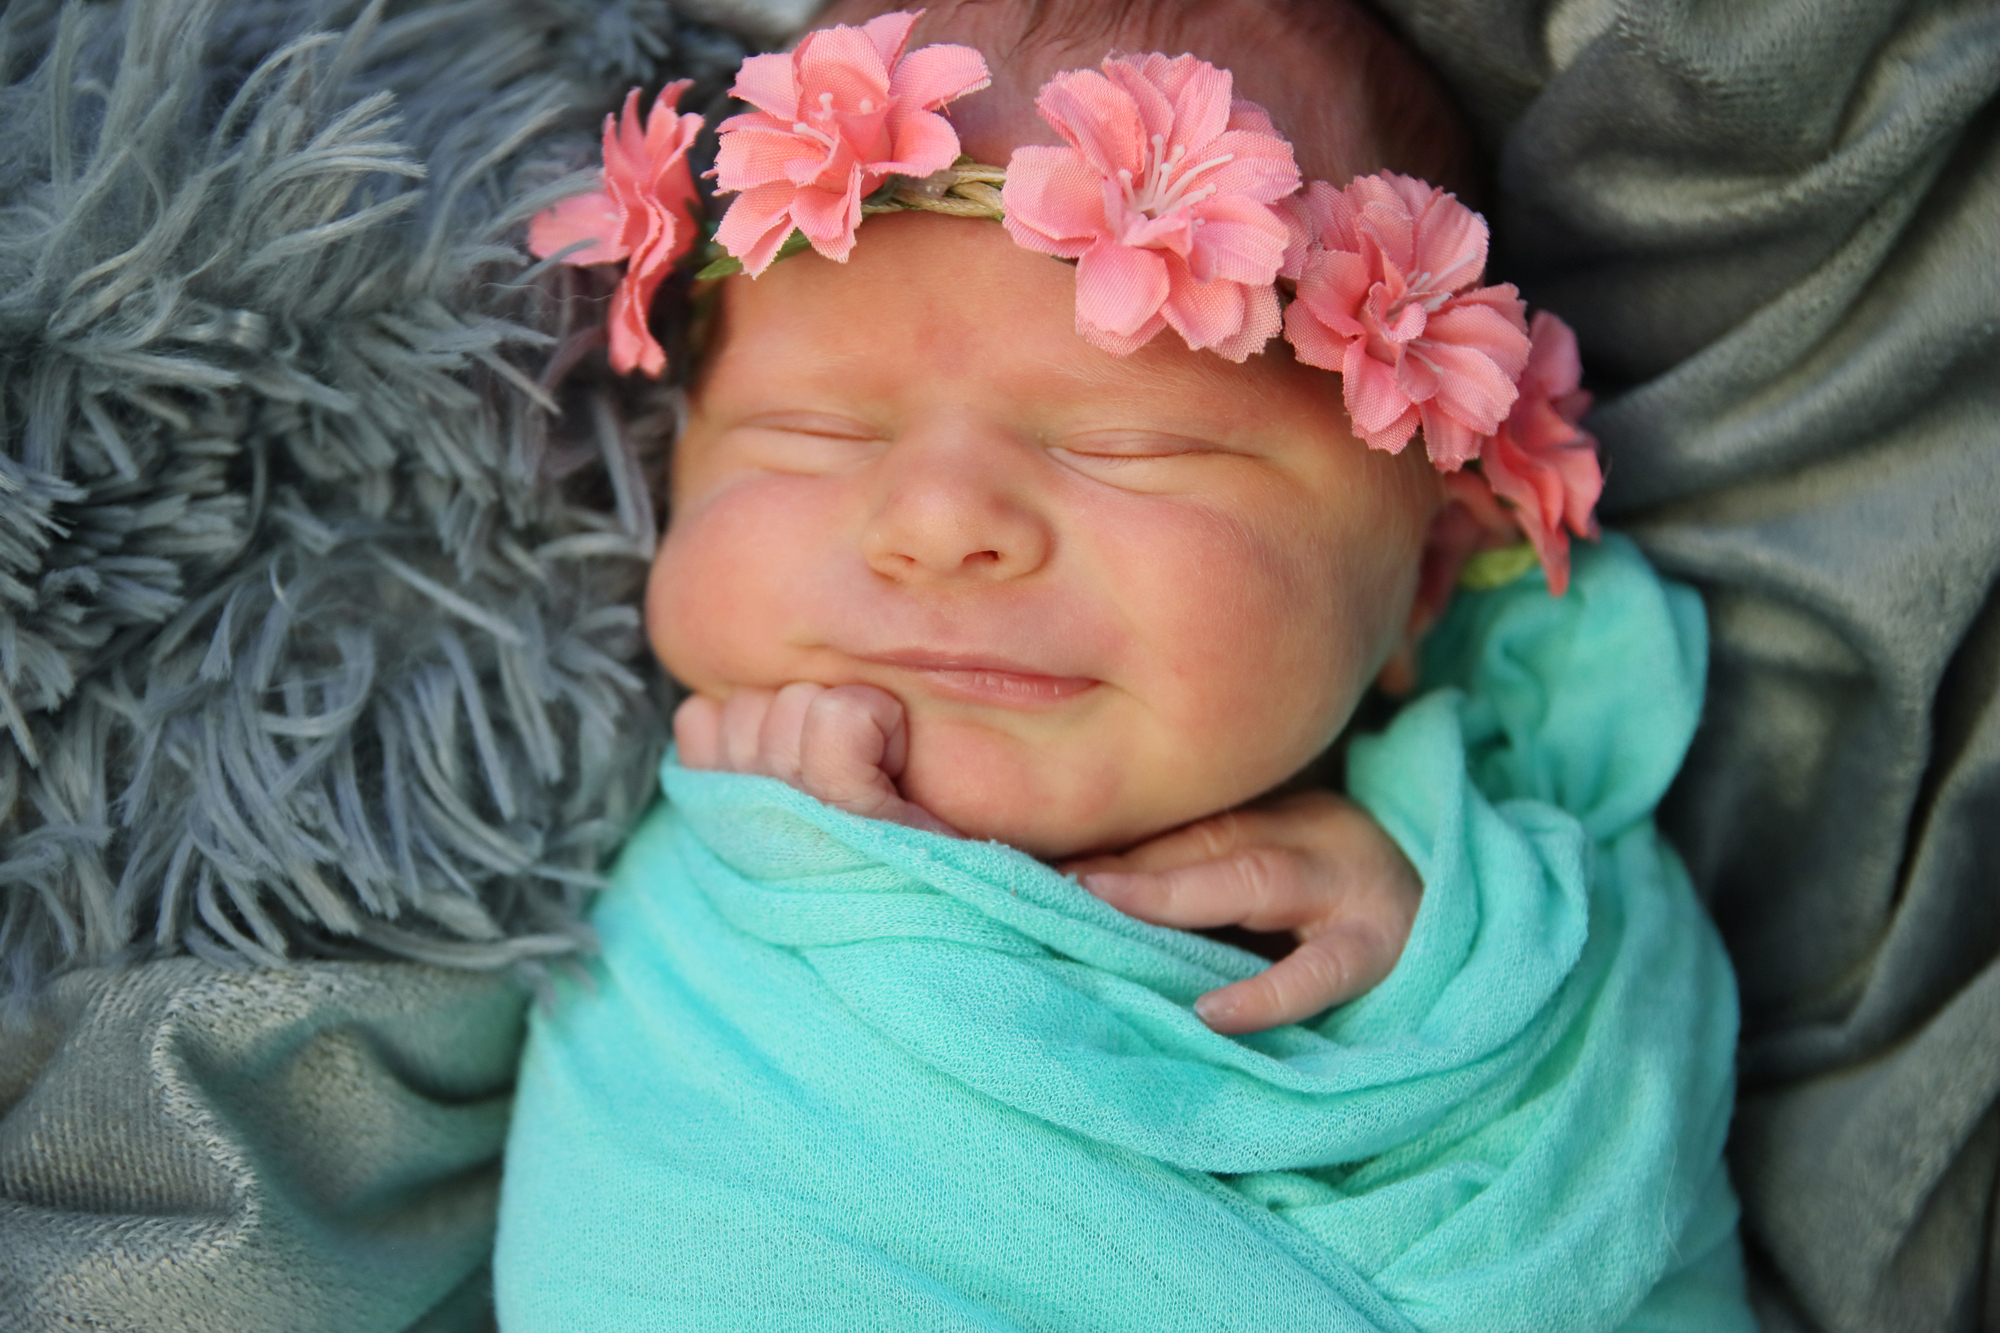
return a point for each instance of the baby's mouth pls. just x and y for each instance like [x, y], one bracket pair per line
[986, 680]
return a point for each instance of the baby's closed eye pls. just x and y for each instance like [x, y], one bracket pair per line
[806, 442]
[1129, 457]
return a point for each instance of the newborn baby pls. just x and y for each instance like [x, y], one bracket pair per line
[1054, 597]
[971, 574]
[995, 562]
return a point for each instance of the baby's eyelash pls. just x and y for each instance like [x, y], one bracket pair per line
[1137, 446]
[812, 423]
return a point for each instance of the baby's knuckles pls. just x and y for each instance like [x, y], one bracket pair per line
[1230, 599]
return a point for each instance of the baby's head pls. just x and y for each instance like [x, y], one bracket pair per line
[1113, 593]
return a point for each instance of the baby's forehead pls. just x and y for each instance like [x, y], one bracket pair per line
[951, 296]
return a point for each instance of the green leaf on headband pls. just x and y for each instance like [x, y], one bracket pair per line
[728, 264]
[1497, 569]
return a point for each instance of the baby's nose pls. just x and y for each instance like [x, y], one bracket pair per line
[956, 514]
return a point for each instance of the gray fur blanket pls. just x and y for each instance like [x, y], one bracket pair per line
[321, 529]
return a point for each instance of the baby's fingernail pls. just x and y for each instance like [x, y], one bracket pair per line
[1213, 1006]
[1103, 882]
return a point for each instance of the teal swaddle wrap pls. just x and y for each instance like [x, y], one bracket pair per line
[837, 1073]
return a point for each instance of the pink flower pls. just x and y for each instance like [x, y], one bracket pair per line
[1163, 197]
[1540, 460]
[644, 213]
[1386, 297]
[835, 117]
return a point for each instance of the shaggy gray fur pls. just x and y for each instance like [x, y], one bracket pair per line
[317, 629]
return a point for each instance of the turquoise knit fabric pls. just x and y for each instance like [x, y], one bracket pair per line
[832, 1073]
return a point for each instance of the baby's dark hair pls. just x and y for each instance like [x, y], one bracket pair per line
[1351, 96]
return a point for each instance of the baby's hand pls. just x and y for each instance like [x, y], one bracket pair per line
[845, 745]
[1314, 864]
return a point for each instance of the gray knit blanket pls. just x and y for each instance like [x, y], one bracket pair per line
[322, 525]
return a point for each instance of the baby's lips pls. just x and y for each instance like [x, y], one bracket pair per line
[987, 680]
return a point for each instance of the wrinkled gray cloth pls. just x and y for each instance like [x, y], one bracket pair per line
[187, 1147]
[1776, 228]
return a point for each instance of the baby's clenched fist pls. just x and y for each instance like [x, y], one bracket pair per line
[845, 745]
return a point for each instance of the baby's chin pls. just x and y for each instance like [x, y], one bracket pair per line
[1053, 805]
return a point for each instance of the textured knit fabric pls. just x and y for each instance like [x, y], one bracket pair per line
[837, 1073]
[185, 1147]
[1776, 228]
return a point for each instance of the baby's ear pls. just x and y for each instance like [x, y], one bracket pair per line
[1469, 521]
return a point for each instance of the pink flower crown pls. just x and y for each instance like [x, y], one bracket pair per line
[1182, 208]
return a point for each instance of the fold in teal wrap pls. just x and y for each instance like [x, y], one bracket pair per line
[836, 1073]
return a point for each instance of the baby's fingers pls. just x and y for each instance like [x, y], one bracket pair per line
[742, 715]
[852, 747]
[1331, 967]
[698, 732]
[1258, 888]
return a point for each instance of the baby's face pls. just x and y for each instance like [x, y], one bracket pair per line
[1113, 595]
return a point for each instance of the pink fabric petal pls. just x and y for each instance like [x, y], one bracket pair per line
[1380, 412]
[1201, 109]
[674, 189]
[1262, 321]
[1333, 215]
[1583, 484]
[1335, 286]
[1096, 118]
[1483, 327]
[1505, 302]
[1153, 104]
[1122, 344]
[1238, 240]
[1312, 342]
[1052, 201]
[589, 217]
[1119, 288]
[1298, 236]
[768, 83]
[890, 33]
[1450, 443]
[758, 154]
[1514, 478]
[1173, 233]
[829, 219]
[1247, 115]
[624, 144]
[1470, 386]
[1261, 166]
[756, 224]
[666, 132]
[1203, 313]
[1450, 243]
[1540, 450]
[930, 76]
[826, 172]
[842, 61]
[1169, 74]
[1553, 364]
[926, 142]
[1416, 377]
[1392, 321]
[633, 346]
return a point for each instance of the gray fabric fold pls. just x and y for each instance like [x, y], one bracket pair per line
[1776, 228]
[184, 1146]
